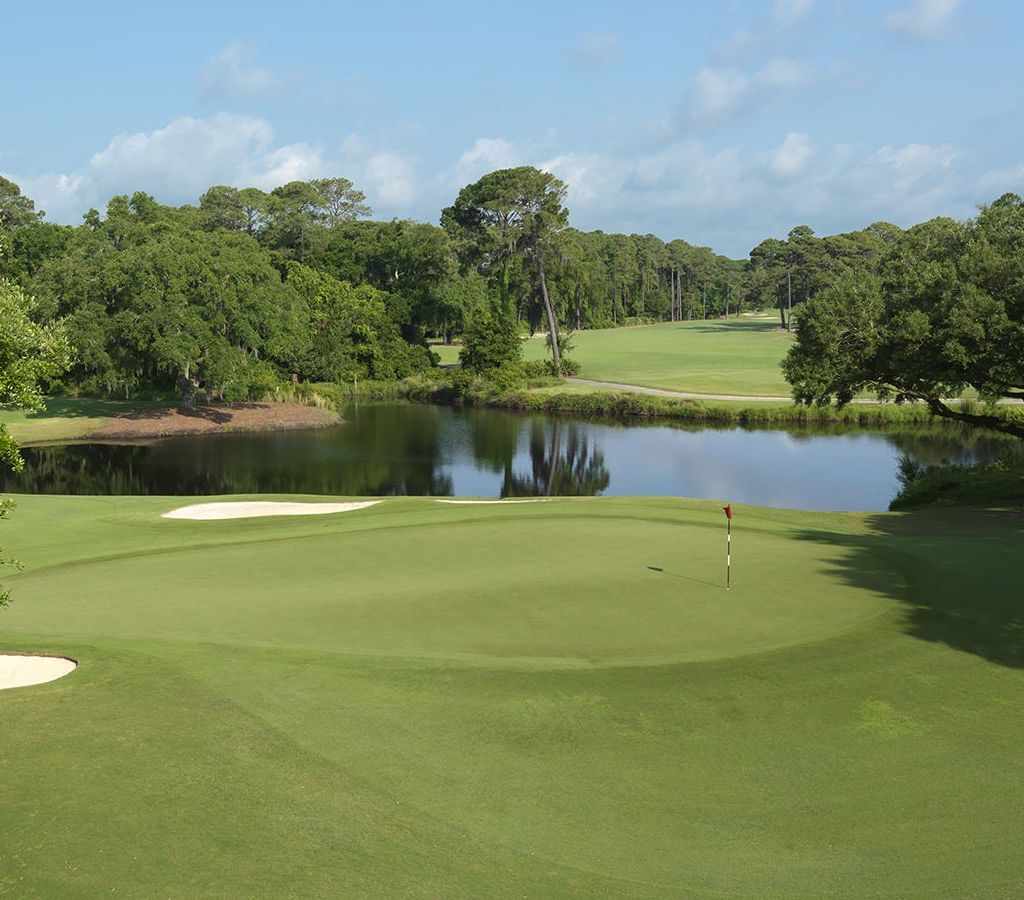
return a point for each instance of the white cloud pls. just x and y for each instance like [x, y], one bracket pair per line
[390, 180]
[599, 48]
[62, 197]
[292, 162]
[232, 72]
[923, 19]
[719, 94]
[996, 182]
[178, 162]
[486, 155]
[185, 155]
[791, 157]
[908, 166]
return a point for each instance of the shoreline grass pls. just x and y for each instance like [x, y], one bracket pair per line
[552, 397]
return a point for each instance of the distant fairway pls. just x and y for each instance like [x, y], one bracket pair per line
[536, 699]
[735, 356]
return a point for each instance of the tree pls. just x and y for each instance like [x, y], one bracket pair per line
[16, 210]
[943, 314]
[339, 200]
[490, 343]
[30, 355]
[352, 333]
[507, 214]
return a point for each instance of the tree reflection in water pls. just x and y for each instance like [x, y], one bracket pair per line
[563, 463]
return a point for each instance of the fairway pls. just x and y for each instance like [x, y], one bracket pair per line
[552, 699]
[734, 356]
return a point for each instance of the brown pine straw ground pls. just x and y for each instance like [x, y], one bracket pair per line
[167, 421]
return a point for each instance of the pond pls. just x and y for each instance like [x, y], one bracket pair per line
[386, 449]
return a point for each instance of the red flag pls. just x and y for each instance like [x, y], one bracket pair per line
[728, 511]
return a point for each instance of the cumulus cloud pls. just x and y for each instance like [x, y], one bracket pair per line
[720, 93]
[996, 182]
[923, 19]
[599, 48]
[179, 161]
[790, 158]
[486, 155]
[187, 153]
[232, 72]
[391, 177]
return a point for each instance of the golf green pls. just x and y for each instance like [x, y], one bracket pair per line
[548, 699]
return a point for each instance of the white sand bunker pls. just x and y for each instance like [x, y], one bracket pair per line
[17, 670]
[245, 509]
[527, 500]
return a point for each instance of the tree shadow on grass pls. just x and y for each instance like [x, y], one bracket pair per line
[729, 327]
[77, 408]
[217, 414]
[963, 583]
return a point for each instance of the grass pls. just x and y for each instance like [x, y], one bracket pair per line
[734, 356]
[65, 418]
[324, 706]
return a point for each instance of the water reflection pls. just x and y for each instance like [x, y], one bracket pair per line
[563, 463]
[394, 449]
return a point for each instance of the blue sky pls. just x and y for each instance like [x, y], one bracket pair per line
[721, 123]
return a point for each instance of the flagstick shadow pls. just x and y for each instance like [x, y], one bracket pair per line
[685, 577]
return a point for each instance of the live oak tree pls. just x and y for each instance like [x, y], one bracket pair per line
[944, 313]
[30, 355]
[510, 214]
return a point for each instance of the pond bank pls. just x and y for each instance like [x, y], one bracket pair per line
[76, 420]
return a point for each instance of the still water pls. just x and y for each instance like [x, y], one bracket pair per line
[384, 449]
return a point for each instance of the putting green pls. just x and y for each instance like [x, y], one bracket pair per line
[649, 591]
[446, 700]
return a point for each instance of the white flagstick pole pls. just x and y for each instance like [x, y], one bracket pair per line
[728, 555]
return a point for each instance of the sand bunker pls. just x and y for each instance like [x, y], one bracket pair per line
[18, 670]
[528, 500]
[251, 509]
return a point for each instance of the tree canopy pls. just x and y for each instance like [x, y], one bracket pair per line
[943, 313]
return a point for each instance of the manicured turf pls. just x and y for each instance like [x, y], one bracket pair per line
[738, 356]
[535, 700]
[735, 356]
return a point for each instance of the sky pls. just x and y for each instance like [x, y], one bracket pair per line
[720, 123]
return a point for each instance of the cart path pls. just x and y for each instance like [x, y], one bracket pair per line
[680, 395]
[687, 395]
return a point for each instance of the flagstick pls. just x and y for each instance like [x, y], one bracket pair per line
[728, 555]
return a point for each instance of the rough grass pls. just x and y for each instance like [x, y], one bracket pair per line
[66, 418]
[574, 706]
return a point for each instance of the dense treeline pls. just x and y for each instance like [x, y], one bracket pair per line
[249, 288]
